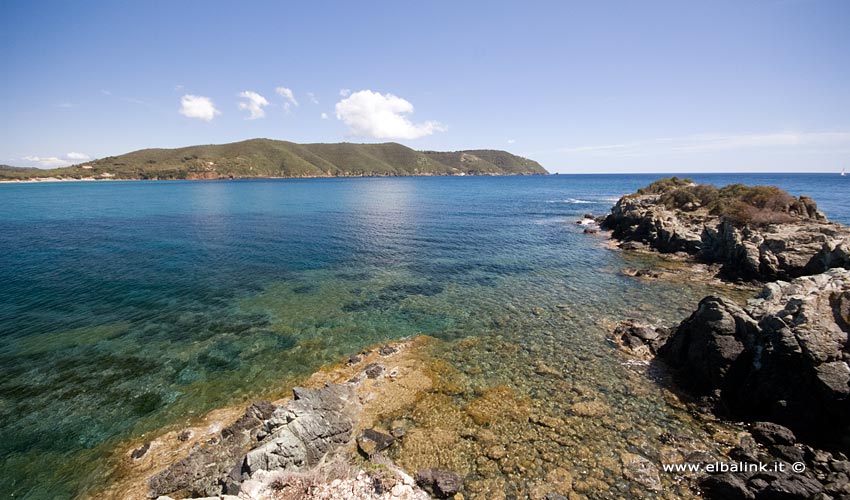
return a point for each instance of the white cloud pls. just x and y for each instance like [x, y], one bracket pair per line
[701, 143]
[511, 141]
[344, 92]
[288, 96]
[253, 103]
[55, 161]
[105, 92]
[324, 116]
[382, 116]
[46, 161]
[200, 107]
[312, 98]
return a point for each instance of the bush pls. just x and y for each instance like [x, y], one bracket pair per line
[664, 185]
[739, 204]
[740, 213]
[690, 197]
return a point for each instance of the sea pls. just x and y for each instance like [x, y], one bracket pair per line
[132, 306]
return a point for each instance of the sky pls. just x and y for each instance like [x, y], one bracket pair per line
[592, 86]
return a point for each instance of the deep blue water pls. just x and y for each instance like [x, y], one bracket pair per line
[126, 306]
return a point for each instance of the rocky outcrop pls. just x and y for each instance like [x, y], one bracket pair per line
[205, 471]
[803, 244]
[303, 448]
[784, 358]
[781, 363]
[288, 438]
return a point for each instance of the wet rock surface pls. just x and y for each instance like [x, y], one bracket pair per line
[439, 483]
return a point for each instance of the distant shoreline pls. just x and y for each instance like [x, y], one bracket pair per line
[36, 180]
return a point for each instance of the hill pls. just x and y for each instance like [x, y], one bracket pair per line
[272, 158]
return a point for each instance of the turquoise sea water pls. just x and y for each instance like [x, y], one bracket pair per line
[127, 306]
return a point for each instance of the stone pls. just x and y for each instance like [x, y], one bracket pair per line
[725, 486]
[374, 370]
[496, 452]
[371, 442]
[769, 433]
[559, 480]
[438, 482]
[185, 435]
[793, 486]
[140, 452]
[386, 350]
[590, 408]
[641, 470]
[706, 345]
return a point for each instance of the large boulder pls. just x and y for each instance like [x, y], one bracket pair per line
[784, 358]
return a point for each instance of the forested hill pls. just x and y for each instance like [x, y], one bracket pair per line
[272, 158]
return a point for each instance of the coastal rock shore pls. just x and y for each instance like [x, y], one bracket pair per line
[312, 446]
[754, 233]
[780, 363]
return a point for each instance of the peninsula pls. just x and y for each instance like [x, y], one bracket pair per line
[267, 158]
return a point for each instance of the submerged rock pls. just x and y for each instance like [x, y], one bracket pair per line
[641, 470]
[438, 482]
[371, 441]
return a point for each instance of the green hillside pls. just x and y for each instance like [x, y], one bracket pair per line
[271, 158]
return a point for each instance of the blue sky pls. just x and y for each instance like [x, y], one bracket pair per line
[609, 86]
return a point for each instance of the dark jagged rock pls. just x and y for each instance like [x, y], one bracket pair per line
[707, 344]
[371, 441]
[387, 349]
[726, 486]
[640, 340]
[439, 483]
[804, 243]
[783, 359]
[140, 452]
[769, 434]
[374, 370]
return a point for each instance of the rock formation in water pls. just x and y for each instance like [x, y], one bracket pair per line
[757, 233]
[784, 358]
[290, 452]
[781, 362]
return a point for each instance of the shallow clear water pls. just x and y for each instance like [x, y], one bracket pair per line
[128, 306]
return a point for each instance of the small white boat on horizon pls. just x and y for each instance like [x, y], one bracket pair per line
[843, 173]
